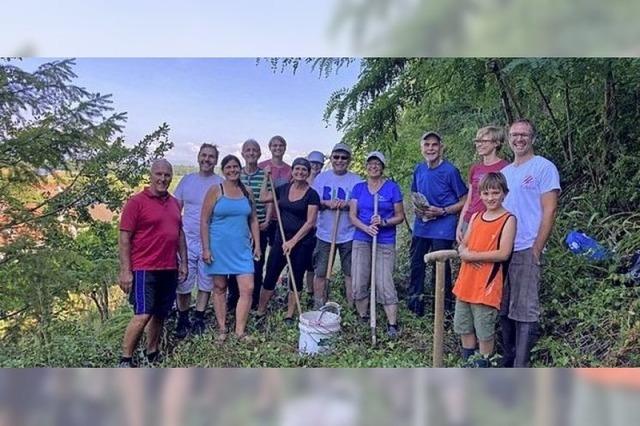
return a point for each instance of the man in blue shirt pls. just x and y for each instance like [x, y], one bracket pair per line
[439, 186]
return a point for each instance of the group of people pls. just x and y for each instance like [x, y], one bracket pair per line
[215, 230]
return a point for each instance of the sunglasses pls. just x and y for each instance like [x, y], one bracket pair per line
[340, 157]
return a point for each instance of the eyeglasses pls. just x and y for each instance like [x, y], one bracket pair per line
[340, 157]
[519, 135]
[482, 141]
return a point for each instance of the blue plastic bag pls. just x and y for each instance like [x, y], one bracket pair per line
[581, 244]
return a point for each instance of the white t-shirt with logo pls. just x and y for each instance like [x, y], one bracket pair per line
[527, 182]
[331, 186]
[191, 192]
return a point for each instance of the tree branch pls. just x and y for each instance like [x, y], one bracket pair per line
[553, 117]
[35, 218]
[568, 113]
[494, 67]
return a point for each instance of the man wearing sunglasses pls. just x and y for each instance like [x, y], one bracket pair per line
[334, 187]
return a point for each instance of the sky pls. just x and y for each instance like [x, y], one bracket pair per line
[220, 101]
[149, 28]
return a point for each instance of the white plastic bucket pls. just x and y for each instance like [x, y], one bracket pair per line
[318, 330]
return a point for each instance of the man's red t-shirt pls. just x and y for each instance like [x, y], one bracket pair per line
[281, 174]
[154, 223]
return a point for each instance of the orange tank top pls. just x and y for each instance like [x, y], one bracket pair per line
[483, 284]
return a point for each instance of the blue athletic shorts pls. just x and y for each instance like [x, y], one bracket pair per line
[153, 292]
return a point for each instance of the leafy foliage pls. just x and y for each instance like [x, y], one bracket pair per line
[61, 153]
[586, 111]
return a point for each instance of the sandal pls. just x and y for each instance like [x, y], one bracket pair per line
[244, 338]
[220, 338]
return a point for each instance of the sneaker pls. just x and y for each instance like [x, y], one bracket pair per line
[154, 357]
[182, 329]
[289, 322]
[364, 319]
[481, 362]
[126, 364]
[392, 331]
[198, 327]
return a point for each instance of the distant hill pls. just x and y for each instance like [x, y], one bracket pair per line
[181, 170]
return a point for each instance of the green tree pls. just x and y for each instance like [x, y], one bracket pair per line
[61, 152]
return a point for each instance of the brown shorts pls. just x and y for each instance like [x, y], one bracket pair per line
[361, 272]
[520, 295]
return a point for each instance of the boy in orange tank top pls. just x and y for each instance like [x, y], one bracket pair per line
[484, 251]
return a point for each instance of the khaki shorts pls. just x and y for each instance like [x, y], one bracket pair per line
[474, 318]
[361, 272]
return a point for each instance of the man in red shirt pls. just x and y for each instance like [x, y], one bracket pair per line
[151, 239]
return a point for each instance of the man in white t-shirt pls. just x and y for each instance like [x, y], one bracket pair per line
[334, 188]
[190, 192]
[534, 186]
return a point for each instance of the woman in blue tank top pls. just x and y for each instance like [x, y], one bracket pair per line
[230, 241]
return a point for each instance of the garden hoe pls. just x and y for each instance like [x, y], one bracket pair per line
[440, 257]
[372, 301]
[293, 280]
[332, 256]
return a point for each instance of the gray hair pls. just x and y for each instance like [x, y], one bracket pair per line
[160, 162]
[251, 142]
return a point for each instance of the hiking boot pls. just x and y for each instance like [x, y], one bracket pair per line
[392, 331]
[182, 329]
[198, 327]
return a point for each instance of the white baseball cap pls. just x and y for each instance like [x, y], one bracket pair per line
[378, 155]
[428, 134]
